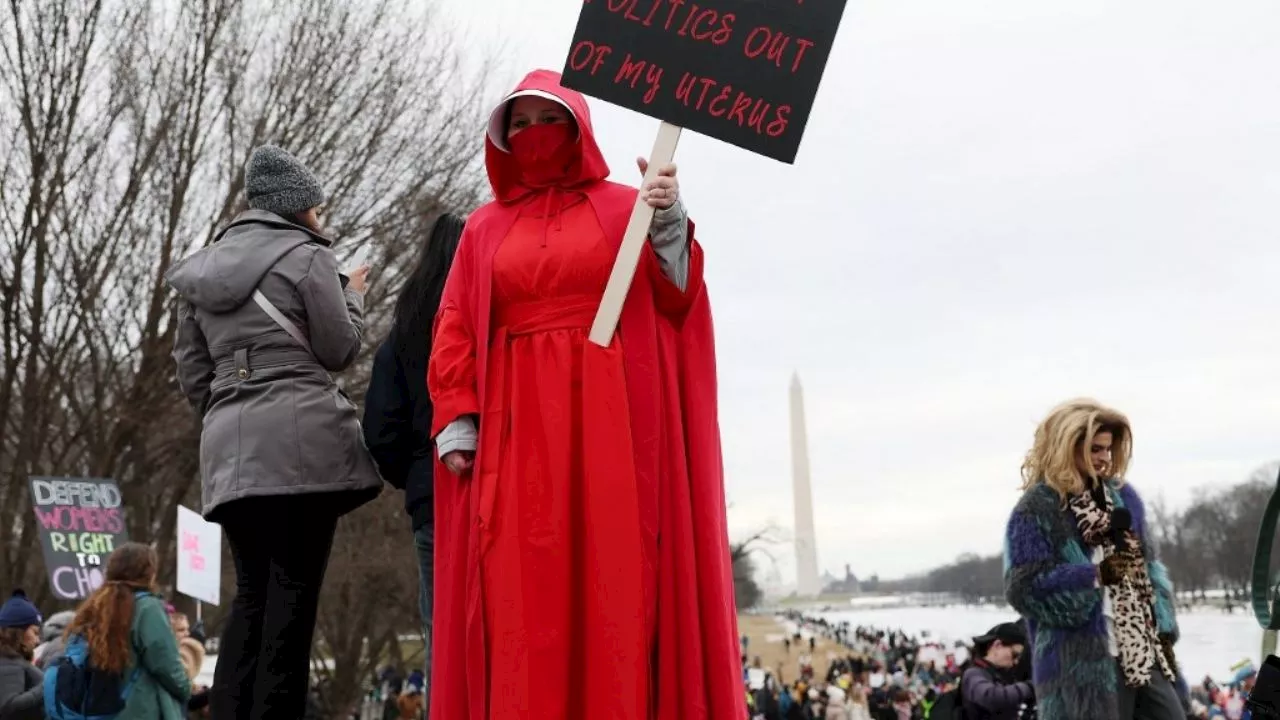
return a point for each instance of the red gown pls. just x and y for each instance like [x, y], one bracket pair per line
[583, 570]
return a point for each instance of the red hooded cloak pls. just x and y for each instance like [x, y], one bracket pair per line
[583, 569]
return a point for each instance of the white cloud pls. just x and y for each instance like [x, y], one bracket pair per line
[998, 205]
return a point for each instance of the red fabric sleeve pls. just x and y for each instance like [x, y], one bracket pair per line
[451, 374]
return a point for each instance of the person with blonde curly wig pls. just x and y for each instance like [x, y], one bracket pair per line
[1080, 566]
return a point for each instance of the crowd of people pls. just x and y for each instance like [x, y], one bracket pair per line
[540, 465]
[394, 695]
[888, 674]
[124, 653]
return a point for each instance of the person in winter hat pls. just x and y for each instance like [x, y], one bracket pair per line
[275, 181]
[264, 315]
[21, 683]
[18, 613]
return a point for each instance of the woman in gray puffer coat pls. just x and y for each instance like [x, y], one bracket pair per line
[263, 318]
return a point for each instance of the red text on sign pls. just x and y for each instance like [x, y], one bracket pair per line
[588, 54]
[191, 544]
[721, 101]
[634, 71]
[686, 19]
[776, 46]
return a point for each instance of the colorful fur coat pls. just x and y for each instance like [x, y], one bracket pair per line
[1051, 580]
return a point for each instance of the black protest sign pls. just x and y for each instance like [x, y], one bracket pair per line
[742, 71]
[81, 521]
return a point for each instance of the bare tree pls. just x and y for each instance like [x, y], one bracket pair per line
[55, 124]
[746, 589]
[124, 129]
[1186, 562]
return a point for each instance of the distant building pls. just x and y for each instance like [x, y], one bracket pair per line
[848, 586]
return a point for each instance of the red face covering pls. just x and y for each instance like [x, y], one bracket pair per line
[545, 153]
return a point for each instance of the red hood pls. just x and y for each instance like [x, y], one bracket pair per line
[504, 175]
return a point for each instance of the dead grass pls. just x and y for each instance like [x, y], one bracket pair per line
[765, 635]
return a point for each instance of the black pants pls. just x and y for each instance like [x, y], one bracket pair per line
[1157, 701]
[281, 547]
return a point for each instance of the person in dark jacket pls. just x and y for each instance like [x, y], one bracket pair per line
[21, 684]
[397, 415]
[1022, 673]
[987, 687]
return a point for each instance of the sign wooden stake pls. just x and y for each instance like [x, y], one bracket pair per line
[624, 268]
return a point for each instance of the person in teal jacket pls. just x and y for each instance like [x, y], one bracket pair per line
[127, 628]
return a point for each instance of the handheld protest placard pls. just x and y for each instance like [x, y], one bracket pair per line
[80, 521]
[199, 558]
[742, 71]
[624, 268]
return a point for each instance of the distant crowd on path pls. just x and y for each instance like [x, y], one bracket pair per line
[888, 674]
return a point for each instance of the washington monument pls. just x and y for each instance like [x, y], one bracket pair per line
[807, 584]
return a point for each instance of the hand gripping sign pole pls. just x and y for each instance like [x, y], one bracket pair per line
[1266, 597]
[742, 71]
[624, 268]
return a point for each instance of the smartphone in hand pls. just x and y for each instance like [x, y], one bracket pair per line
[358, 260]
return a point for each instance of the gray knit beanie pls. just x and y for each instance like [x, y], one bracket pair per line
[277, 182]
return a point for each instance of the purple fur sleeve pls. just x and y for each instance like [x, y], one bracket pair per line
[1041, 582]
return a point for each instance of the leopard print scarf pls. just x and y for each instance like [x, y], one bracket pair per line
[1127, 584]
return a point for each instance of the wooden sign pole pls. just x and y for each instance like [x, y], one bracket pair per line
[624, 268]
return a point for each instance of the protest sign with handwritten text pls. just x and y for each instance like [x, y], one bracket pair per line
[199, 557]
[742, 71]
[80, 521]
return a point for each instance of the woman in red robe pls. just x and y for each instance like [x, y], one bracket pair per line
[583, 566]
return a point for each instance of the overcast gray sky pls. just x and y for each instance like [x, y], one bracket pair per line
[998, 205]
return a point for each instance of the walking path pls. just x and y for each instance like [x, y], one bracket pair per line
[765, 635]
